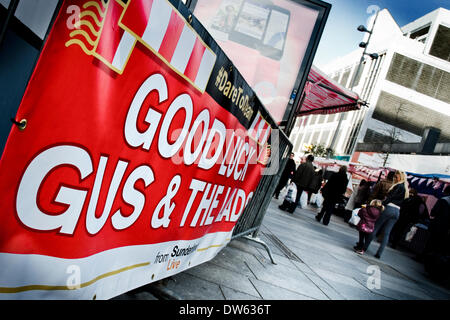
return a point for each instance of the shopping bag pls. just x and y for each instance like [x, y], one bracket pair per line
[291, 192]
[304, 200]
[354, 219]
[411, 233]
[313, 198]
[319, 200]
[283, 192]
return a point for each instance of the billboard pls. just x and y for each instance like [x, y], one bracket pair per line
[267, 40]
[137, 147]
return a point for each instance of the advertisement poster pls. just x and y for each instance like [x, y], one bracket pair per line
[141, 145]
[266, 40]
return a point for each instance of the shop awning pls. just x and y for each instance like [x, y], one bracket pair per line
[325, 96]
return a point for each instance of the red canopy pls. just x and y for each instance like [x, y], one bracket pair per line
[325, 96]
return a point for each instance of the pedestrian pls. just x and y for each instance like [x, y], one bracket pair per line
[302, 178]
[389, 216]
[316, 183]
[437, 250]
[412, 210]
[362, 194]
[381, 188]
[368, 216]
[287, 174]
[332, 191]
[439, 228]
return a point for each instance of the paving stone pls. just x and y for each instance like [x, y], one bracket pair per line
[328, 290]
[234, 260]
[288, 278]
[222, 276]
[269, 291]
[231, 294]
[189, 287]
[347, 286]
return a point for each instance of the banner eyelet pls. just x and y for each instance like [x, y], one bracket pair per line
[22, 124]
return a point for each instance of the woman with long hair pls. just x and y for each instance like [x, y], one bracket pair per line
[389, 216]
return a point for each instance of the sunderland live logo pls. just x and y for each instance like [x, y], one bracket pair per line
[109, 30]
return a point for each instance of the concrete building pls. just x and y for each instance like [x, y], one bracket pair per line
[408, 93]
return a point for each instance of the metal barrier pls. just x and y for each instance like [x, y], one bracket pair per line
[250, 221]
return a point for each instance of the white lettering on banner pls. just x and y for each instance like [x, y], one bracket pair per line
[94, 224]
[168, 205]
[26, 206]
[166, 149]
[190, 157]
[232, 205]
[50, 159]
[234, 154]
[133, 197]
[219, 128]
[132, 135]
[196, 186]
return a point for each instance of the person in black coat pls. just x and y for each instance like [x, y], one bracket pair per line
[302, 179]
[362, 194]
[287, 174]
[412, 210]
[316, 183]
[439, 228]
[333, 189]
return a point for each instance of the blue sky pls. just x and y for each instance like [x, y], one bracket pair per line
[340, 35]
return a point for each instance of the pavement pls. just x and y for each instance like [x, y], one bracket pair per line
[313, 262]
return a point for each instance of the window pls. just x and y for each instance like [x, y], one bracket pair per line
[441, 43]
[315, 137]
[345, 77]
[336, 77]
[420, 77]
[357, 76]
[297, 143]
[420, 33]
[324, 137]
[308, 135]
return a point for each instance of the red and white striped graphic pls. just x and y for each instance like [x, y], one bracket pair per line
[163, 30]
[114, 45]
[260, 130]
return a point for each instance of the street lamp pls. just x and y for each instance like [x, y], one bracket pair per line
[374, 56]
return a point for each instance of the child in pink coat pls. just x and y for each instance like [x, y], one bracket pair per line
[369, 216]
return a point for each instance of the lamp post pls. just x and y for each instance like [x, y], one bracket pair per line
[373, 56]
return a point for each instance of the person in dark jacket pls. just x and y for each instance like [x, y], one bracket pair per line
[412, 210]
[439, 229]
[287, 174]
[316, 183]
[369, 215]
[302, 178]
[333, 189]
[396, 194]
[362, 194]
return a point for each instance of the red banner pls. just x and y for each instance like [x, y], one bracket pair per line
[134, 163]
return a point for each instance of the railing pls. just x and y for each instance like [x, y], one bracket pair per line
[251, 219]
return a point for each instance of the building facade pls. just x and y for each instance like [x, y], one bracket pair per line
[407, 90]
